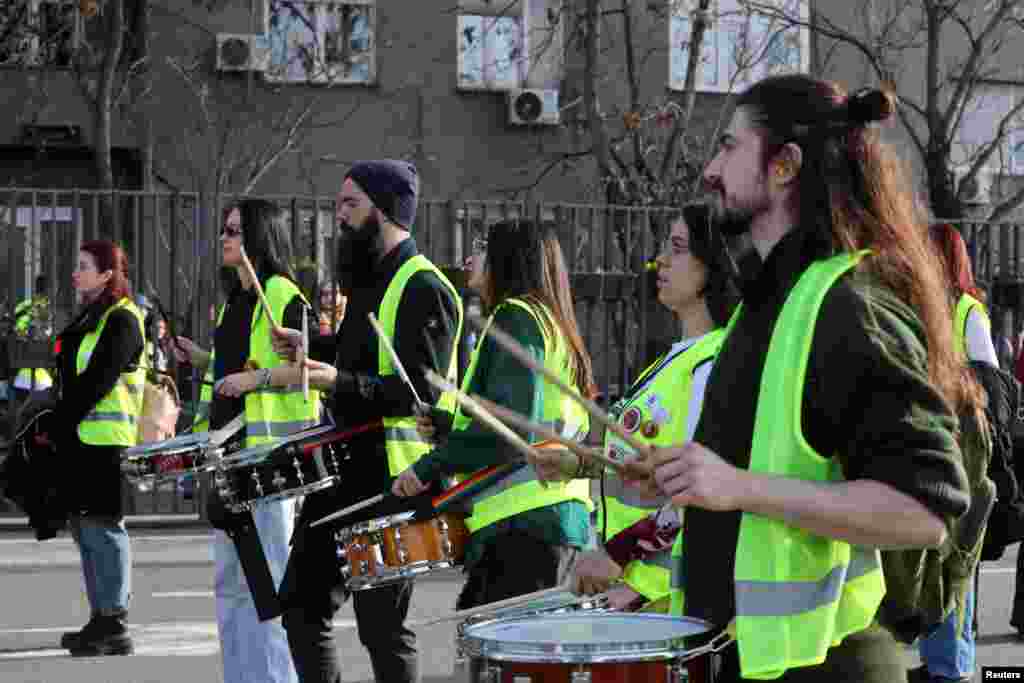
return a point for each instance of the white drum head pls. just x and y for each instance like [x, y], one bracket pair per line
[586, 637]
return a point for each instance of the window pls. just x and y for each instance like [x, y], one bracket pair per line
[313, 41]
[38, 32]
[509, 44]
[740, 46]
[978, 126]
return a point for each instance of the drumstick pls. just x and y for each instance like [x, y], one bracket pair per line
[301, 356]
[256, 283]
[350, 509]
[505, 341]
[518, 421]
[395, 360]
[508, 602]
[480, 413]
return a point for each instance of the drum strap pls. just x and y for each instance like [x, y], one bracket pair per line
[254, 564]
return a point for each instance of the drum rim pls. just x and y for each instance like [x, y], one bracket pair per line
[187, 442]
[369, 526]
[244, 457]
[668, 648]
[407, 571]
[298, 491]
[567, 605]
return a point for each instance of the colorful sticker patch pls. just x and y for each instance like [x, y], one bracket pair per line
[631, 420]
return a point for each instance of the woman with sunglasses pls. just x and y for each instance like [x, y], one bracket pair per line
[249, 378]
[636, 524]
[520, 274]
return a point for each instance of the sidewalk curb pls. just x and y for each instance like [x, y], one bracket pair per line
[133, 522]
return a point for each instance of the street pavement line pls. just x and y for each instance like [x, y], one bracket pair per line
[183, 594]
[999, 570]
[138, 538]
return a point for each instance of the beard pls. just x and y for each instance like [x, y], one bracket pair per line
[735, 220]
[357, 252]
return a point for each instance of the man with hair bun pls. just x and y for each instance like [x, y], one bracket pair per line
[827, 431]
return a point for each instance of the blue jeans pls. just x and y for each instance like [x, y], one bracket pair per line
[944, 653]
[106, 562]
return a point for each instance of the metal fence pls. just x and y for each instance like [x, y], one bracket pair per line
[172, 241]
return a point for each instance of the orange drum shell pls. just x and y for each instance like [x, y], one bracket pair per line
[422, 541]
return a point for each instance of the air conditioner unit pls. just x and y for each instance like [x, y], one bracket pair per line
[977, 190]
[533, 107]
[242, 52]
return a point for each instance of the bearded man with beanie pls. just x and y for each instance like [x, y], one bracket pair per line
[382, 273]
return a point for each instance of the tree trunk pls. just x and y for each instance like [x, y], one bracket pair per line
[103, 116]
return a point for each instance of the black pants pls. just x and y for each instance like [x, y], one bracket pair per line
[515, 564]
[313, 591]
[1017, 617]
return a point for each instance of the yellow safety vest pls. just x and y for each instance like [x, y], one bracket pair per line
[964, 306]
[270, 412]
[797, 594]
[521, 491]
[24, 314]
[657, 414]
[402, 441]
[114, 420]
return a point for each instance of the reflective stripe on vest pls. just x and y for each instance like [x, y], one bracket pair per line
[964, 306]
[521, 491]
[402, 442]
[271, 412]
[112, 421]
[677, 581]
[24, 314]
[797, 594]
[661, 394]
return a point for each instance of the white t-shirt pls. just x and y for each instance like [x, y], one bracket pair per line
[700, 382]
[979, 339]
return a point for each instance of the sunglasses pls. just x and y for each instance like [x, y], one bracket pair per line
[231, 231]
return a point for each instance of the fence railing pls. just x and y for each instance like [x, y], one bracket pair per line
[172, 242]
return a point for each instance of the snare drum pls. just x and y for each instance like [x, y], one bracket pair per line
[278, 470]
[601, 647]
[181, 455]
[387, 549]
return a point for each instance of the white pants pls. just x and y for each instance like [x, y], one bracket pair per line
[253, 651]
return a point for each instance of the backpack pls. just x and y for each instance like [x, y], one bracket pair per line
[1006, 522]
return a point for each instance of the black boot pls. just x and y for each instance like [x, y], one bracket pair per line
[69, 639]
[109, 636]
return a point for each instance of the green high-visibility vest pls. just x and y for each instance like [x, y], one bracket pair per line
[24, 314]
[114, 420]
[521, 491]
[661, 397]
[402, 441]
[964, 306]
[797, 594]
[270, 412]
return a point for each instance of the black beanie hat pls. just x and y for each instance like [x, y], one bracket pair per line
[393, 187]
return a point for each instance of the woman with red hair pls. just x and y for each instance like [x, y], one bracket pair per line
[100, 402]
[972, 326]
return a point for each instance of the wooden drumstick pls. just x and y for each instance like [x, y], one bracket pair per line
[480, 413]
[256, 283]
[395, 360]
[508, 602]
[519, 422]
[505, 341]
[301, 355]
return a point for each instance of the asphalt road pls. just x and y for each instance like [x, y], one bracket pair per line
[172, 616]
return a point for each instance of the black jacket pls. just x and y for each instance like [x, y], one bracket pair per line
[425, 335]
[93, 473]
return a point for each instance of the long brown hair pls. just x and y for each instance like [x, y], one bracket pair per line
[847, 169]
[524, 260]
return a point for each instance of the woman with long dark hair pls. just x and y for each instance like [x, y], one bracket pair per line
[101, 387]
[637, 525]
[520, 274]
[250, 379]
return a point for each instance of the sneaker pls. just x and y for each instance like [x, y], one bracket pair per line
[109, 636]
